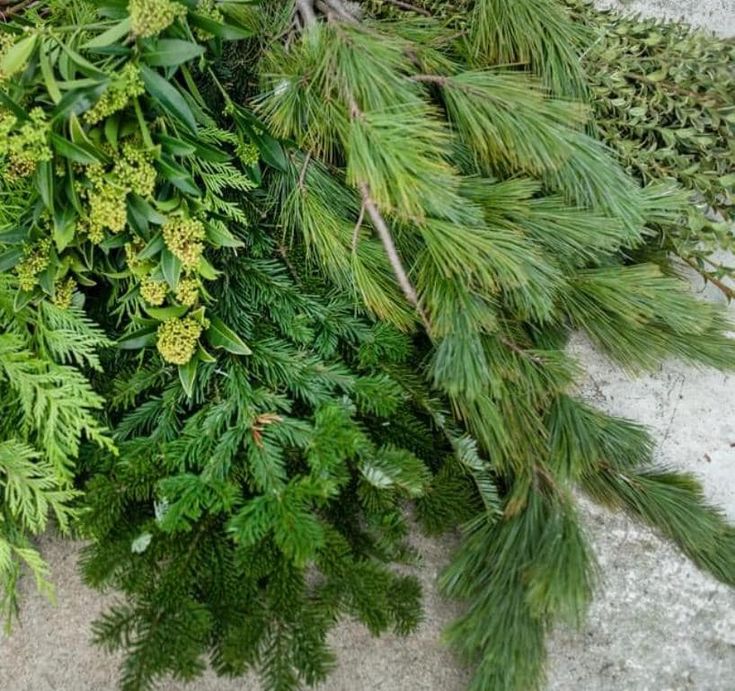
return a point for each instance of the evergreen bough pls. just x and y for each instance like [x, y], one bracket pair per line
[340, 249]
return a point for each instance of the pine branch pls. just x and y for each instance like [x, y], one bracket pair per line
[392, 253]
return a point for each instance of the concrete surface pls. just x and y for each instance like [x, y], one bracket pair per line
[657, 624]
[717, 15]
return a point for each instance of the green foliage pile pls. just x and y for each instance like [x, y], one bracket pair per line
[311, 265]
[664, 100]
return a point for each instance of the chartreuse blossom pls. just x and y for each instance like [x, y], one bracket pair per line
[248, 153]
[64, 292]
[118, 95]
[151, 17]
[187, 292]
[133, 172]
[178, 339]
[183, 236]
[153, 292]
[136, 172]
[35, 260]
[25, 147]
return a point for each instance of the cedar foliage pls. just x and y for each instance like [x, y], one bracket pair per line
[339, 252]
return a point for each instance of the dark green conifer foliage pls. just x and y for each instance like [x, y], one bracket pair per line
[360, 267]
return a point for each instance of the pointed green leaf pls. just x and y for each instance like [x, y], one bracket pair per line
[171, 268]
[10, 258]
[48, 77]
[75, 152]
[178, 176]
[169, 52]
[17, 57]
[227, 32]
[222, 336]
[187, 375]
[164, 313]
[168, 97]
[154, 246]
[138, 339]
[272, 152]
[112, 35]
[220, 236]
[45, 183]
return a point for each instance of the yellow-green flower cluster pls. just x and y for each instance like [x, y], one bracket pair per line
[209, 9]
[26, 147]
[64, 292]
[151, 17]
[248, 153]
[135, 171]
[183, 236]
[131, 254]
[187, 292]
[178, 338]
[153, 292]
[119, 93]
[107, 207]
[36, 259]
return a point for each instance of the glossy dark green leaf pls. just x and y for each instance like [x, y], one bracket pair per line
[78, 100]
[174, 146]
[10, 258]
[138, 339]
[178, 176]
[227, 32]
[187, 375]
[75, 152]
[154, 246]
[222, 336]
[206, 151]
[272, 152]
[171, 268]
[168, 97]
[13, 236]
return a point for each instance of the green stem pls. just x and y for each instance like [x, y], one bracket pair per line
[143, 125]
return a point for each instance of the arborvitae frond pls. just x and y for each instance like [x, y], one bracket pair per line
[56, 400]
[31, 492]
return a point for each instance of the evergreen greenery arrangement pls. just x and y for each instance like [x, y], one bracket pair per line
[278, 276]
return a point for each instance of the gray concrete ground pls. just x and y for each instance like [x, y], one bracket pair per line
[657, 624]
[717, 15]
